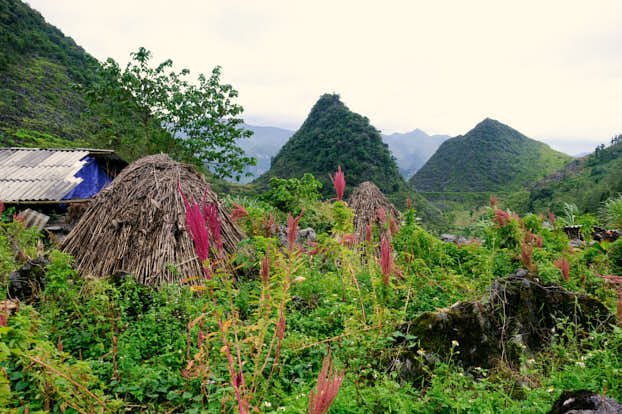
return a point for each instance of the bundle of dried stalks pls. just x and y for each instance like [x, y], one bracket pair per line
[137, 224]
[366, 200]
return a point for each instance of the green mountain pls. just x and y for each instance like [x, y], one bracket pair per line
[490, 157]
[586, 182]
[40, 70]
[332, 135]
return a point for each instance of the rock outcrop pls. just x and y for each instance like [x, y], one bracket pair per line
[519, 315]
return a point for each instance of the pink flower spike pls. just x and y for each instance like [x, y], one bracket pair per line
[265, 269]
[339, 182]
[292, 230]
[195, 224]
[238, 212]
[328, 384]
[564, 266]
[386, 260]
[210, 212]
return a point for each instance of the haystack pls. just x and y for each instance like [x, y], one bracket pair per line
[366, 200]
[137, 224]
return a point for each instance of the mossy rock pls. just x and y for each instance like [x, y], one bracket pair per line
[519, 315]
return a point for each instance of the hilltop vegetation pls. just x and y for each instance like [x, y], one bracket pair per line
[490, 157]
[332, 135]
[40, 70]
[586, 182]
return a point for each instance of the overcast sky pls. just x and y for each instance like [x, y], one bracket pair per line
[551, 69]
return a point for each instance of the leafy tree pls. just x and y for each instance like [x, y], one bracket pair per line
[193, 122]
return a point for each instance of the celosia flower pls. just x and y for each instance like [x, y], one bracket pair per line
[210, 211]
[238, 212]
[501, 217]
[292, 230]
[493, 201]
[339, 182]
[386, 260]
[1, 207]
[59, 344]
[265, 269]
[328, 384]
[539, 241]
[551, 217]
[564, 266]
[195, 223]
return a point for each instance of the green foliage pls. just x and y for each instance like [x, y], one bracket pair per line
[615, 256]
[333, 136]
[291, 194]
[490, 157]
[586, 182]
[612, 212]
[193, 122]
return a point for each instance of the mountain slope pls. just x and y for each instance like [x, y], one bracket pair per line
[412, 149]
[263, 145]
[586, 182]
[332, 135]
[490, 157]
[39, 71]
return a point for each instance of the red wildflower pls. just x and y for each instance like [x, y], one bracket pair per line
[280, 325]
[526, 252]
[502, 218]
[563, 265]
[292, 230]
[195, 223]
[1, 207]
[339, 182]
[59, 344]
[18, 218]
[409, 203]
[368, 233]
[539, 241]
[386, 260]
[551, 217]
[269, 225]
[265, 269]
[238, 212]
[619, 305]
[315, 248]
[328, 384]
[210, 211]
[493, 201]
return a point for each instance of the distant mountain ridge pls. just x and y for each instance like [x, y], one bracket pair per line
[410, 149]
[490, 157]
[413, 149]
[263, 145]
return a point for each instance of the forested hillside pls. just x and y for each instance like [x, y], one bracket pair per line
[40, 73]
[332, 135]
[490, 157]
[586, 182]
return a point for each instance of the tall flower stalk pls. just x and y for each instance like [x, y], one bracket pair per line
[328, 383]
[339, 182]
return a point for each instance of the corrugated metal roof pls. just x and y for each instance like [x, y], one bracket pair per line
[39, 174]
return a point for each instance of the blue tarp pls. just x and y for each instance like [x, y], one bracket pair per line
[94, 178]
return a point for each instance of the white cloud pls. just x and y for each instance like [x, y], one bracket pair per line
[549, 69]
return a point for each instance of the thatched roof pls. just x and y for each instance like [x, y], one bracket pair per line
[137, 224]
[366, 200]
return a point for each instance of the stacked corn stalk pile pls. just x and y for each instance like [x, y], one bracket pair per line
[137, 224]
[369, 205]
